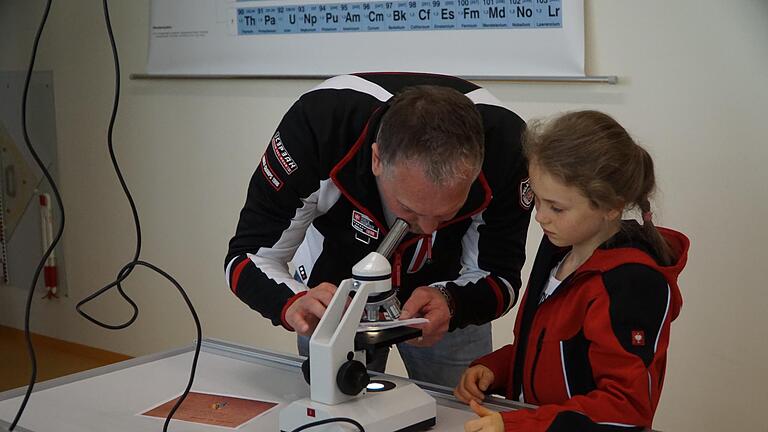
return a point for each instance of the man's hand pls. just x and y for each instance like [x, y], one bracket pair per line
[429, 303]
[473, 384]
[305, 313]
[489, 421]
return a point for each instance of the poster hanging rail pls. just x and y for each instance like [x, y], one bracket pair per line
[598, 79]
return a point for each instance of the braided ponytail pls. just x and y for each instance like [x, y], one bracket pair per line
[651, 234]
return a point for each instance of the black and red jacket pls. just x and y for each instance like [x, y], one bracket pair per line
[313, 201]
[593, 354]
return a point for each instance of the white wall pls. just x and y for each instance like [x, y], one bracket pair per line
[692, 90]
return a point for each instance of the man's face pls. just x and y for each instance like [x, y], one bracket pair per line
[411, 196]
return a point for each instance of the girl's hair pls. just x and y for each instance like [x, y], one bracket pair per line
[591, 151]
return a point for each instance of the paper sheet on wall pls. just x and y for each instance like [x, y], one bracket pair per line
[322, 38]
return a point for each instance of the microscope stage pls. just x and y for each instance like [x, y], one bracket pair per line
[385, 338]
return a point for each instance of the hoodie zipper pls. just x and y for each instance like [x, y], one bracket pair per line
[397, 266]
[539, 345]
[540, 342]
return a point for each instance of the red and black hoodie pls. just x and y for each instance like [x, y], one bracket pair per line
[313, 201]
[592, 356]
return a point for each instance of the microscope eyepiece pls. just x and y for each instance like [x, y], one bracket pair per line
[393, 238]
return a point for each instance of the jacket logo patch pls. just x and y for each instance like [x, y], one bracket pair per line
[285, 159]
[526, 193]
[364, 224]
[638, 338]
[272, 179]
[362, 238]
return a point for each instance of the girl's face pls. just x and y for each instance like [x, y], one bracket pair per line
[566, 215]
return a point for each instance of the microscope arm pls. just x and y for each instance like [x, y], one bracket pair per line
[332, 344]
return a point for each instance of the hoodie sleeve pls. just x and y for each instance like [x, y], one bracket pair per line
[280, 205]
[628, 334]
[498, 362]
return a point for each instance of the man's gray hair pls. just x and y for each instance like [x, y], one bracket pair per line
[435, 127]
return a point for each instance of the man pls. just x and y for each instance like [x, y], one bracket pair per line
[349, 158]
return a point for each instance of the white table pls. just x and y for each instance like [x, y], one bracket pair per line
[109, 398]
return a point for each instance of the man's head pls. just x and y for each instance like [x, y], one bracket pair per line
[428, 151]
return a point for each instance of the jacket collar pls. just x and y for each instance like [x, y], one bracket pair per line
[634, 249]
[625, 247]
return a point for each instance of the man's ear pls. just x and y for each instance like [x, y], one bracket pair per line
[376, 164]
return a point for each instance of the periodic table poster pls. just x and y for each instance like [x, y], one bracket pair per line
[471, 38]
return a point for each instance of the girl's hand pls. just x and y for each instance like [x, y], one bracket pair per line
[489, 421]
[473, 384]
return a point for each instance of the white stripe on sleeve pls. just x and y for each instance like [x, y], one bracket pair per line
[273, 261]
[353, 82]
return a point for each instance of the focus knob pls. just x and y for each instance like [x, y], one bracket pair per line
[352, 377]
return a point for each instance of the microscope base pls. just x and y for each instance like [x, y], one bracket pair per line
[406, 407]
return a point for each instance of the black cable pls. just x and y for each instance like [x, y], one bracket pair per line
[198, 328]
[125, 271]
[128, 268]
[59, 231]
[330, 420]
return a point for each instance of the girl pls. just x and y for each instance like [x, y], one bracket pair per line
[592, 330]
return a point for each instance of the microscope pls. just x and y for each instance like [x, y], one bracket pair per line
[343, 397]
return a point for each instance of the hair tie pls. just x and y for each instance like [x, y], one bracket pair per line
[647, 216]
